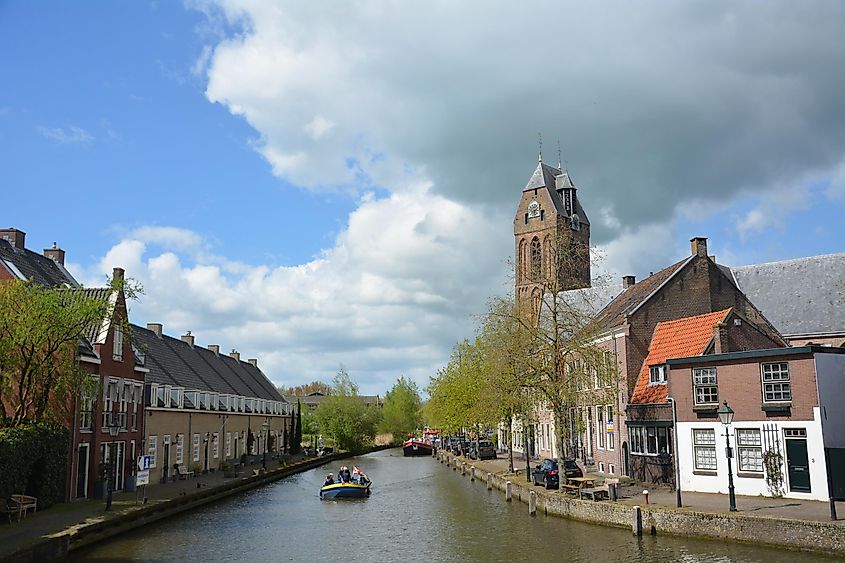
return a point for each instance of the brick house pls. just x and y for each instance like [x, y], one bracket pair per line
[107, 354]
[649, 416]
[204, 409]
[787, 404]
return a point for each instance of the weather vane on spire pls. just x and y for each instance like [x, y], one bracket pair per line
[558, 154]
[540, 143]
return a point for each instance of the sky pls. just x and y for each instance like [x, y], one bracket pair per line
[322, 184]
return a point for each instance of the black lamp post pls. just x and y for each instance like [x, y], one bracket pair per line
[265, 427]
[114, 429]
[525, 449]
[726, 415]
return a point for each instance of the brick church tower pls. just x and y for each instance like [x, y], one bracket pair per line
[552, 236]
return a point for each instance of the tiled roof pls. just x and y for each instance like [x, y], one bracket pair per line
[681, 338]
[174, 362]
[801, 296]
[544, 177]
[614, 313]
[33, 266]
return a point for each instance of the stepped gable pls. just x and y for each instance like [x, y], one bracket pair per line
[804, 296]
[690, 336]
[626, 302]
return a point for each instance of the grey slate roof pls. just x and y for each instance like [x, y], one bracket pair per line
[34, 266]
[174, 362]
[544, 177]
[800, 296]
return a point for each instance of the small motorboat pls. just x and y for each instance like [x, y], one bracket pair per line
[417, 446]
[345, 490]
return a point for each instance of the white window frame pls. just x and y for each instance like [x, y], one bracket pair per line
[705, 379]
[610, 439]
[600, 430]
[196, 448]
[704, 449]
[152, 450]
[180, 449]
[749, 447]
[117, 344]
[775, 376]
[657, 374]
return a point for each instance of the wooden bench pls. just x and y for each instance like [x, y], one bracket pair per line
[572, 489]
[10, 507]
[594, 493]
[25, 502]
[183, 473]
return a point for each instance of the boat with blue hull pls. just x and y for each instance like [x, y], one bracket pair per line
[345, 490]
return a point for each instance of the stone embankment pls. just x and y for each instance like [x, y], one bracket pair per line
[823, 537]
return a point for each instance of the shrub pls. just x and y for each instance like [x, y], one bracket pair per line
[33, 460]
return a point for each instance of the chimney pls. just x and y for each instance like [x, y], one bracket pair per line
[117, 274]
[720, 338]
[628, 281]
[698, 245]
[156, 328]
[188, 339]
[253, 361]
[235, 354]
[15, 237]
[214, 348]
[55, 254]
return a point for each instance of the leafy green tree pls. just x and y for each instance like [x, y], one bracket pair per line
[344, 417]
[456, 398]
[40, 329]
[400, 414]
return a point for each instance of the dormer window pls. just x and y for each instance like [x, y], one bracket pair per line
[657, 374]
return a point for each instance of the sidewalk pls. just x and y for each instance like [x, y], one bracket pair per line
[630, 492]
[63, 516]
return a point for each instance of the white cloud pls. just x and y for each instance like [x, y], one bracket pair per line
[65, 135]
[318, 127]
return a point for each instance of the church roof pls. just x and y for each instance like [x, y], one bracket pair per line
[544, 177]
[804, 296]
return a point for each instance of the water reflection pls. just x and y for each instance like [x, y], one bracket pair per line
[419, 511]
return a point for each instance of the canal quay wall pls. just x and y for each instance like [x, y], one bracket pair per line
[82, 535]
[805, 535]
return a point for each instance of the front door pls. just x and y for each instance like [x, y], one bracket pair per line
[165, 469]
[626, 460]
[82, 471]
[797, 461]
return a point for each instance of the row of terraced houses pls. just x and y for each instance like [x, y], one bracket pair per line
[190, 408]
[767, 338]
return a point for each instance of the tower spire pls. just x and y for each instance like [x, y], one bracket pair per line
[558, 154]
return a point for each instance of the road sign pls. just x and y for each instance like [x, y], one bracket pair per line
[143, 477]
[144, 462]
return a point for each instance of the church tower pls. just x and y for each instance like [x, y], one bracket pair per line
[552, 236]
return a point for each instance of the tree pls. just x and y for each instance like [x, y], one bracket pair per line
[400, 414]
[344, 417]
[297, 437]
[306, 389]
[40, 329]
[456, 400]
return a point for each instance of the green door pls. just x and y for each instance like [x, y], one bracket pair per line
[798, 466]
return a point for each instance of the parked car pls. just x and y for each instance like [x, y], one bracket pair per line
[469, 449]
[457, 445]
[486, 450]
[547, 472]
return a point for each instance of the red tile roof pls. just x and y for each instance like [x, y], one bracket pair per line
[681, 338]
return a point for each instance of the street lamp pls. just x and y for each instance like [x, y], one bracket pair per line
[114, 429]
[265, 427]
[726, 415]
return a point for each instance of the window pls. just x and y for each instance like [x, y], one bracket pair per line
[657, 374]
[750, 449]
[160, 397]
[196, 450]
[176, 398]
[153, 393]
[152, 450]
[189, 400]
[704, 445]
[609, 428]
[600, 427]
[704, 381]
[228, 444]
[86, 411]
[216, 445]
[536, 259]
[180, 449]
[117, 348]
[776, 382]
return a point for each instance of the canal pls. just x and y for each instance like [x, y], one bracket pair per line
[419, 511]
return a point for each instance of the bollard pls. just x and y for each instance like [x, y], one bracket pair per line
[612, 493]
[645, 496]
[532, 503]
[463, 468]
[472, 473]
[637, 521]
[508, 491]
[489, 481]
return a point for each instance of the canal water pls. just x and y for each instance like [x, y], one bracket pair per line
[419, 511]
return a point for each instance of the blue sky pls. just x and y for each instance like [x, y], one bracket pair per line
[323, 184]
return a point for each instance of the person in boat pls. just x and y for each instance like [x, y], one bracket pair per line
[329, 480]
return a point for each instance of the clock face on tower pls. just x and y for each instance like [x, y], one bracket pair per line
[533, 209]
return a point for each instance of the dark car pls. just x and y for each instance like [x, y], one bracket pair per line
[457, 445]
[486, 450]
[469, 450]
[548, 473]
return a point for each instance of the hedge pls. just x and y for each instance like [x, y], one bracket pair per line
[33, 460]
